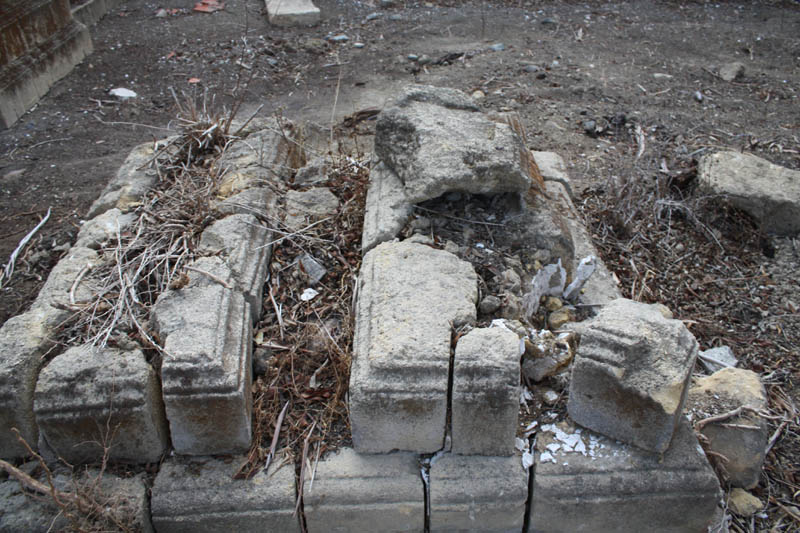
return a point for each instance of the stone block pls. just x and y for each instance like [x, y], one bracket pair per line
[264, 156]
[767, 192]
[129, 185]
[552, 168]
[586, 482]
[102, 229]
[207, 374]
[55, 293]
[486, 388]
[471, 493]
[292, 12]
[24, 339]
[306, 207]
[742, 440]
[90, 397]
[256, 201]
[199, 495]
[351, 490]
[244, 244]
[437, 141]
[631, 374]
[387, 209]
[410, 296]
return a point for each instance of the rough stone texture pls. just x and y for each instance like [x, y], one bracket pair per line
[54, 294]
[631, 374]
[41, 44]
[131, 182]
[244, 244]
[352, 490]
[267, 155]
[23, 341]
[546, 231]
[743, 503]
[410, 295]
[470, 493]
[21, 512]
[436, 141]
[103, 228]
[387, 208]
[723, 392]
[717, 358]
[313, 173]
[306, 207]
[292, 12]
[586, 482]
[485, 405]
[200, 495]
[207, 374]
[731, 71]
[256, 201]
[769, 193]
[88, 397]
[552, 168]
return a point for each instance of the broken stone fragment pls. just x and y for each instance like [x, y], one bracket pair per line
[103, 228]
[437, 141]
[490, 304]
[586, 482]
[741, 439]
[90, 399]
[264, 156]
[306, 207]
[485, 404]
[312, 269]
[387, 209]
[631, 374]
[743, 503]
[716, 359]
[350, 490]
[547, 354]
[256, 201]
[410, 298]
[292, 12]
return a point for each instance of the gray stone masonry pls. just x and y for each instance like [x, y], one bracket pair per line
[485, 406]
[742, 440]
[243, 242]
[292, 12]
[199, 495]
[769, 193]
[207, 374]
[129, 185]
[352, 491]
[470, 493]
[631, 374]
[23, 341]
[436, 140]
[586, 482]
[410, 296]
[88, 398]
[55, 293]
[387, 208]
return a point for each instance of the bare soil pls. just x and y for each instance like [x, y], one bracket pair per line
[583, 76]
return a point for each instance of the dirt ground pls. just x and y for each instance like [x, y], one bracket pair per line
[582, 76]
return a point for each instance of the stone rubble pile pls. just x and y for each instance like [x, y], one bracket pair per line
[441, 347]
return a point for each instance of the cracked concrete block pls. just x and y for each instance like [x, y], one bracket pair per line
[485, 406]
[207, 374]
[265, 156]
[256, 201]
[387, 209]
[586, 482]
[24, 339]
[350, 490]
[89, 396]
[199, 495]
[130, 184]
[410, 296]
[292, 12]
[437, 141]
[742, 446]
[306, 207]
[55, 293]
[552, 168]
[767, 192]
[103, 228]
[243, 242]
[631, 374]
[471, 493]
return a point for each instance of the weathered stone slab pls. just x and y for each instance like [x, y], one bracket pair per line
[129, 185]
[207, 374]
[55, 293]
[89, 397]
[742, 440]
[410, 296]
[485, 406]
[103, 229]
[264, 156]
[767, 192]
[24, 339]
[292, 12]
[256, 201]
[470, 493]
[200, 495]
[305, 207]
[351, 490]
[631, 374]
[586, 482]
[387, 209]
[437, 141]
[243, 242]
[552, 168]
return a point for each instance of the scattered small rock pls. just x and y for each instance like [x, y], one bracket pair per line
[341, 38]
[424, 60]
[451, 247]
[550, 396]
[373, 16]
[497, 47]
[547, 21]
[743, 503]
[478, 94]
[589, 126]
[731, 71]
[532, 68]
[412, 57]
[358, 45]
[552, 303]
[122, 93]
[558, 318]
[395, 17]
[261, 359]
[717, 358]
[312, 268]
[385, 4]
[698, 96]
[490, 304]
